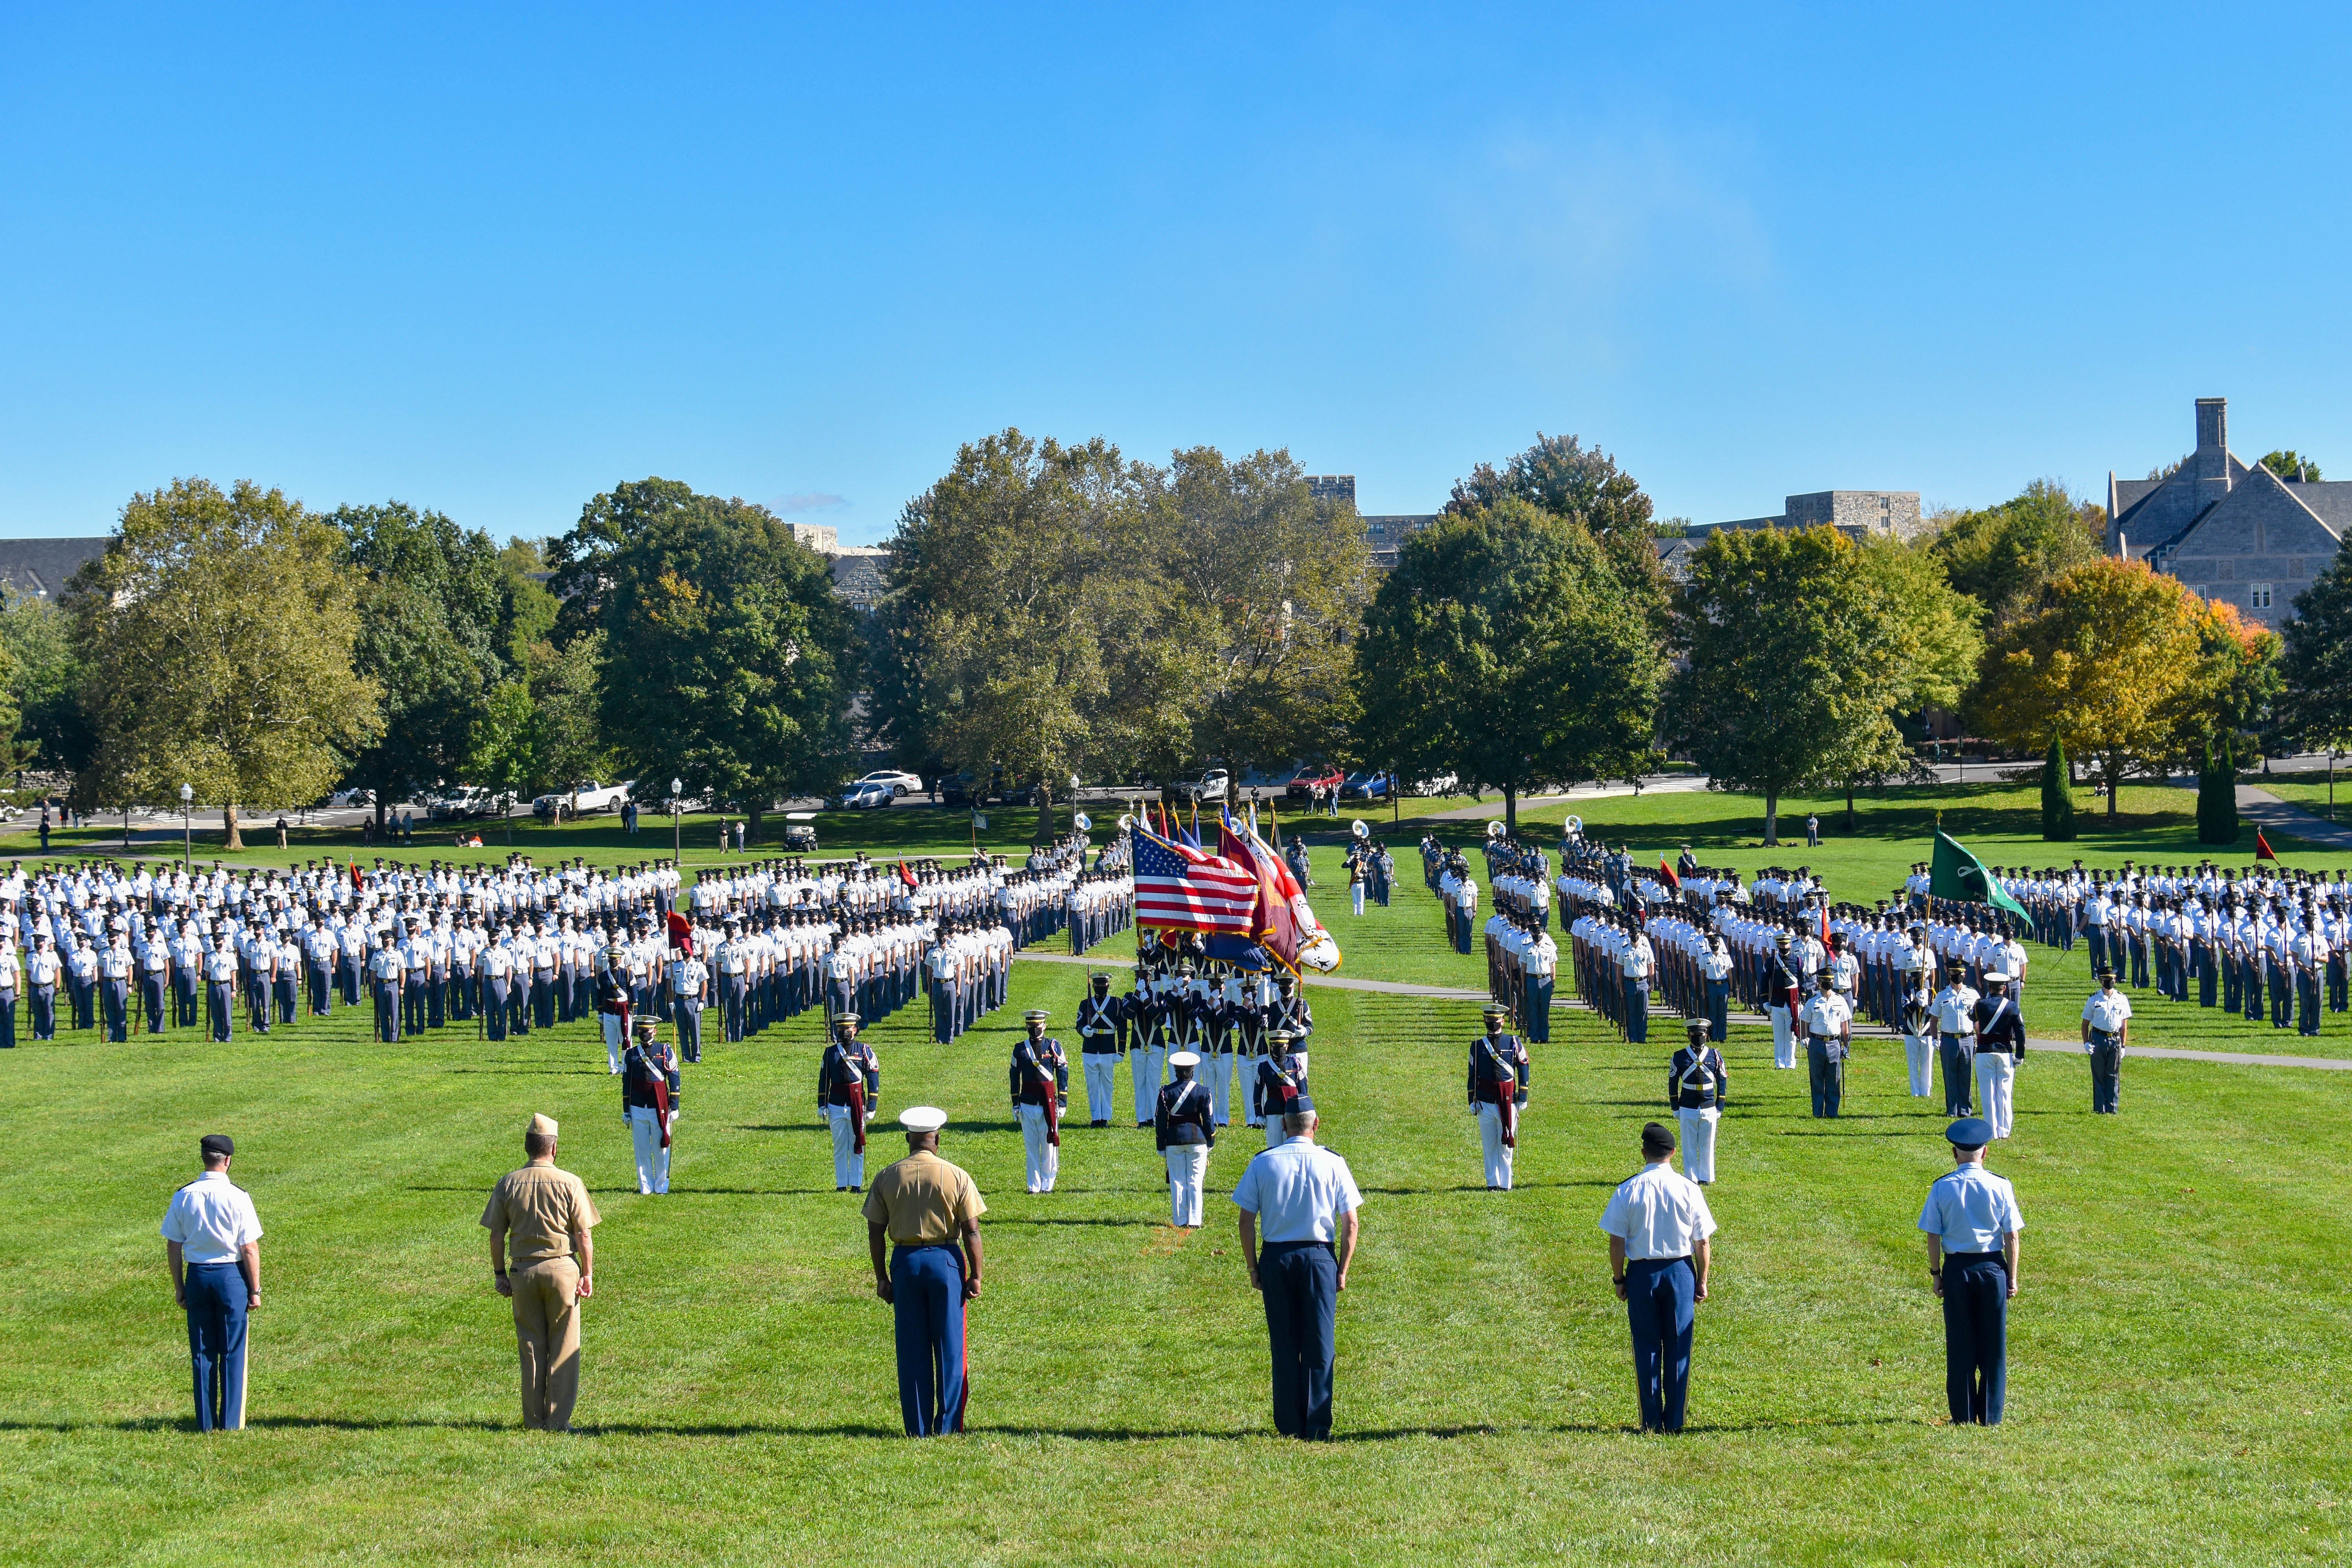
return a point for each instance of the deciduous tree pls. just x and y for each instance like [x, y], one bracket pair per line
[2315, 706]
[2002, 556]
[1504, 648]
[216, 637]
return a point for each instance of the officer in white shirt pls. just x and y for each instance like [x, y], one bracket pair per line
[1972, 1221]
[2107, 1030]
[212, 1245]
[1301, 1201]
[1827, 1021]
[1658, 1226]
[1956, 1044]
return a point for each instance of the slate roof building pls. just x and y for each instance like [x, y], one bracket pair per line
[2231, 530]
[40, 568]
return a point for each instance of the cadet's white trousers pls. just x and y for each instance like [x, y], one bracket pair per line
[613, 1042]
[1698, 1141]
[1996, 1084]
[1149, 1064]
[653, 1159]
[1275, 1135]
[1102, 1084]
[1499, 1153]
[1044, 1160]
[1217, 1073]
[1784, 1040]
[848, 1165]
[1246, 1076]
[1188, 1170]
[1919, 1054]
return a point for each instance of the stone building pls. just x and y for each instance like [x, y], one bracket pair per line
[2233, 532]
[1858, 515]
[40, 568]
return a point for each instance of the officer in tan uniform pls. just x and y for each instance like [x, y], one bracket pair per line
[541, 1216]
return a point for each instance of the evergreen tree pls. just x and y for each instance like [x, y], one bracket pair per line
[2057, 796]
[2217, 797]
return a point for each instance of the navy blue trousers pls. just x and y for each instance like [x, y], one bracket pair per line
[1718, 1010]
[1976, 1336]
[1300, 1282]
[1538, 1011]
[1659, 1306]
[215, 1293]
[927, 1302]
[1637, 1010]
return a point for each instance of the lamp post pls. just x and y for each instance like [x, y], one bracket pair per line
[677, 802]
[187, 857]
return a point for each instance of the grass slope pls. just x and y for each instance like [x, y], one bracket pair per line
[2175, 1394]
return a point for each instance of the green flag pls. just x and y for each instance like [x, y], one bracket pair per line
[1956, 874]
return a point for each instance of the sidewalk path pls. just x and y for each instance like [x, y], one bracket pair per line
[2261, 807]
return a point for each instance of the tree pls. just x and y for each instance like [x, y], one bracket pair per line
[1503, 648]
[216, 637]
[2292, 466]
[527, 610]
[431, 600]
[2003, 556]
[1278, 581]
[2315, 707]
[2114, 660]
[1029, 626]
[43, 686]
[727, 658]
[1799, 647]
[2057, 795]
[2217, 796]
[1583, 484]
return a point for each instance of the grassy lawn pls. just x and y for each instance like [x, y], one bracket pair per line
[2310, 791]
[2174, 1394]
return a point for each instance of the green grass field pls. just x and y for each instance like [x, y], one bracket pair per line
[2175, 1364]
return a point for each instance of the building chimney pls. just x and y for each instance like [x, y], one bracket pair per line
[2210, 466]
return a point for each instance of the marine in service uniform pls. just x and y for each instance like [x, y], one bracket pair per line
[543, 1258]
[1695, 1085]
[1185, 1131]
[1497, 1089]
[1040, 1083]
[924, 1215]
[649, 1096]
[1972, 1221]
[848, 1087]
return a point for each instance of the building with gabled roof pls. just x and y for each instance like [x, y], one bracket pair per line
[2230, 531]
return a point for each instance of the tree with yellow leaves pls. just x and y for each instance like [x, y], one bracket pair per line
[2116, 661]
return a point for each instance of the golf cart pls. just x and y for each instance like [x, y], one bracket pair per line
[800, 832]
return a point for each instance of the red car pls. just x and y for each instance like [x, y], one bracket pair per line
[1311, 778]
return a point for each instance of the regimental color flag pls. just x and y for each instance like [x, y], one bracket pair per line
[1179, 887]
[1954, 873]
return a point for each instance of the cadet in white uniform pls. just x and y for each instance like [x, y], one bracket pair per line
[2001, 1048]
[2106, 1031]
[1185, 1128]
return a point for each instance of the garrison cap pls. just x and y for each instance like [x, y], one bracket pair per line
[542, 1125]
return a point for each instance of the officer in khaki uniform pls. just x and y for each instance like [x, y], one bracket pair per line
[542, 1216]
[926, 1212]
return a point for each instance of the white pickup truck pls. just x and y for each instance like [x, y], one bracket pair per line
[583, 797]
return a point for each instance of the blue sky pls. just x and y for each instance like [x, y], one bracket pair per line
[494, 259]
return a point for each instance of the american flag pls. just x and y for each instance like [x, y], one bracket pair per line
[1190, 889]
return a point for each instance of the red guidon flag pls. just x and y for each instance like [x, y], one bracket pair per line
[681, 933]
[2263, 850]
[1666, 878]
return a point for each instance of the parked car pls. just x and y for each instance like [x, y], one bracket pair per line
[864, 794]
[1210, 785]
[956, 790]
[350, 799]
[1309, 778]
[457, 803]
[900, 783]
[1438, 785]
[582, 798]
[1377, 784]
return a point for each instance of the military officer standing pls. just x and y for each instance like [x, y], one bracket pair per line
[1184, 1127]
[1099, 1021]
[1280, 1089]
[2107, 1032]
[1303, 1199]
[1497, 1088]
[1916, 1017]
[1972, 1223]
[212, 1245]
[539, 1218]
[1658, 1224]
[1828, 1024]
[612, 1001]
[2000, 1051]
[689, 977]
[1696, 1085]
[848, 1085]
[1956, 1043]
[649, 1091]
[1040, 1082]
[926, 1212]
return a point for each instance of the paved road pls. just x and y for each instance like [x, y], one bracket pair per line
[2263, 809]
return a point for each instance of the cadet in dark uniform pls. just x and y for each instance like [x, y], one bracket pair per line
[1098, 1050]
[1696, 1085]
[1292, 1012]
[1973, 1222]
[1497, 1088]
[929, 1212]
[1281, 1086]
[1040, 1083]
[1184, 1128]
[848, 1084]
[649, 1093]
